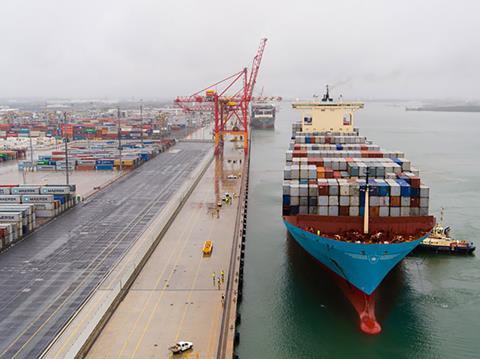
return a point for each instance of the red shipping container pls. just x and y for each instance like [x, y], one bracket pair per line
[300, 153]
[415, 182]
[374, 211]
[414, 201]
[344, 210]
[323, 190]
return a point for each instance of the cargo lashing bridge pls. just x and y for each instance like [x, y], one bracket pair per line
[46, 277]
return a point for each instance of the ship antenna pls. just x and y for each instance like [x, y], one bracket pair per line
[441, 215]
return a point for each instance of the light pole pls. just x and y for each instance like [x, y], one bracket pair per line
[65, 140]
[141, 122]
[119, 139]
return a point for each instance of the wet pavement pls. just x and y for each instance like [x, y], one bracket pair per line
[47, 276]
[175, 297]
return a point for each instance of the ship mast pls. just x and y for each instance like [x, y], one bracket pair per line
[367, 205]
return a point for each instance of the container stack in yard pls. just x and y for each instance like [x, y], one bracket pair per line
[22, 207]
[99, 155]
[326, 174]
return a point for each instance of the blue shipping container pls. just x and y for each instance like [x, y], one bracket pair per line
[59, 197]
[104, 167]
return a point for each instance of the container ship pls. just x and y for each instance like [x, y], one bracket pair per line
[356, 208]
[263, 115]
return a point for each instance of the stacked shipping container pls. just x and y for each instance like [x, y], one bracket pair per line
[326, 174]
[22, 205]
[99, 156]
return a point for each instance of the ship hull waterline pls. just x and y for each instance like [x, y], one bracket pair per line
[362, 267]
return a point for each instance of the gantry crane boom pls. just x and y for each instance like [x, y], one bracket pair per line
[227, 108]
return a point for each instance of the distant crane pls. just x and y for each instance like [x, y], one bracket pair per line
[229, 103]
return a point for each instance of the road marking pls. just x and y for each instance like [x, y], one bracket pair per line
[89, 273]
[185, 229]
[213, 327]
[152, 313]
[145, 210]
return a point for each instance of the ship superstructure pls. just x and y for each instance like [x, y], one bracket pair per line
[356, 208]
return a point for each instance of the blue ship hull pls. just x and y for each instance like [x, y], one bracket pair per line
[362, 265]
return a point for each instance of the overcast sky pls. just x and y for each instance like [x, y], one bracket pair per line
[163, 48]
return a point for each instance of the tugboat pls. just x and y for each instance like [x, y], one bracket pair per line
[440, 241]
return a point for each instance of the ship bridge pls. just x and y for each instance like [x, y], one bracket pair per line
[327, 115]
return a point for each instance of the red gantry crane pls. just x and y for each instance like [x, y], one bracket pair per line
[228, 100]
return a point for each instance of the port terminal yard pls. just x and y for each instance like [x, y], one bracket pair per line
[172, 296]
[46, 278]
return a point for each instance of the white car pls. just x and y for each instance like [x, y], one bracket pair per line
[232, 177]
[181, 347]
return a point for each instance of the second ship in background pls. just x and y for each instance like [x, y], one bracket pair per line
[263, 115]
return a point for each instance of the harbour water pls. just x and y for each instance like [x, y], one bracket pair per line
[429, 305]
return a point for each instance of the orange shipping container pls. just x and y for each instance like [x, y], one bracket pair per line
[374, 211]
[395, 201]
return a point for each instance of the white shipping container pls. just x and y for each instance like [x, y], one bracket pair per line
[333, 200]
[424, 191]
[10, 199]
[10, 217]
[354, 211]
[45, 213]
[404, 211]
[5, 191]
[344, 200]
[414, 211]
[333, 210]
[289, 155]
[303, 189]
[374, 201]
[26, 190]
[44, 206]
[333, 189]
[295, 190]
[323, 210]
[395, 211]
[303, 210]
[294, 201]
[37, 199]
[303, 172]
[384, 201]
[344, 189]
[295, 172]
[322, 200]
[354, 201]
[423, 202]
[405, 201]
[384, 211]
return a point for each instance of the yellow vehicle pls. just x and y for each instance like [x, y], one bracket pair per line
[207, 248]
